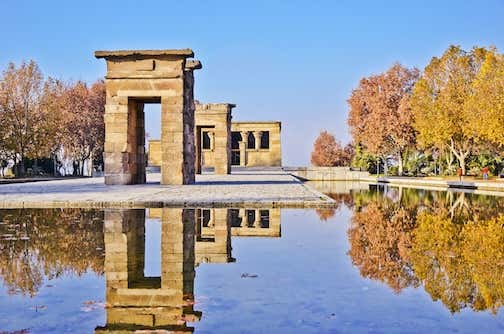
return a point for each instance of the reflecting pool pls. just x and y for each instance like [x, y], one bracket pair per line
[386, 260]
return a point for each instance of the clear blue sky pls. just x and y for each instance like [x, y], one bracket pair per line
[293, 61]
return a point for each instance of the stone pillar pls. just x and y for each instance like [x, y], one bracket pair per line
[211, 135]
[217, 118]
[257, 136]
[243, 148]
[257, 218]
[198, 160]
[141, 161]
[243, 214]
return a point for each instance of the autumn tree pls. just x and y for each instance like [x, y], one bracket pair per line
[380, 117]
[329, 152]
[84, 124]
[485, 106]
[439, 101]
[30, 114]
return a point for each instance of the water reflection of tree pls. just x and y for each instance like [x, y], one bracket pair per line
[451, 243]
[380, 239]
[47, 243]
[460, 264]
[340, 199]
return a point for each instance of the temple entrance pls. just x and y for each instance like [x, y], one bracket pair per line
[205, 147]
[137, 77]
[213, 137]
[235, 148]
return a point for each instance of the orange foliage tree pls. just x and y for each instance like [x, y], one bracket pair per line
[380, 117]
[84, 124]
[328, 152]
[30, 113]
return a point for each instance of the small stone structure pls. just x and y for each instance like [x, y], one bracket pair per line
[213, 136]
[256, 144]
[314, 173]
[252, 144]
[137, 77]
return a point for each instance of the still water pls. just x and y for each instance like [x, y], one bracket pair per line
[387, 260]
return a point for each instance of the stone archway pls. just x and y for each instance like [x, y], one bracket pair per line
[213, 119]
[137, 77]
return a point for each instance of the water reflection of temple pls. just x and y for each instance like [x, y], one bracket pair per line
[188, 238]
[215, 226]
[135, 301]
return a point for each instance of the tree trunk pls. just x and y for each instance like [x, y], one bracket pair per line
[75, 165]
[461, 156]
[400, 167]
[463, 165]
[20, 169]
[82, 167]
[385, 166]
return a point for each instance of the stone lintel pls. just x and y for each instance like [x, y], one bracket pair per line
[193, 64]
[180, 53]
[257, 122]
[214, 107]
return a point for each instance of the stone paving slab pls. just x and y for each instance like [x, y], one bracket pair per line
[240, 189]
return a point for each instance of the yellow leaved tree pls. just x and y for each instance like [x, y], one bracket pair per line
[439, 101]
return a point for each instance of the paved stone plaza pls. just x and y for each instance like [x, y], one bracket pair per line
[245, 188]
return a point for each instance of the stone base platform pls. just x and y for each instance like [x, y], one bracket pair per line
[243, 188]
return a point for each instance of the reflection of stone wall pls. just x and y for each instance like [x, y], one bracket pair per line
[213, 236]
[256, 223]
[138, 302]
[242, 223]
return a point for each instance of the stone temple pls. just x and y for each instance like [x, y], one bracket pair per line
[193, 135]
[221, 143]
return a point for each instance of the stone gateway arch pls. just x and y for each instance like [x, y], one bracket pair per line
[137, 77]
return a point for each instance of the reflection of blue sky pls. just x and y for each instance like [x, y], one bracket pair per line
[61, 306]
[152, 266]
[294, 61]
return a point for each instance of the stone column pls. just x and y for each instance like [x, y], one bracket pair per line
[257, 218]
[141, 162]
[198, 160]
[257, 136]
[243, 214]
[243, 148]
[211, 221]
[211, 135]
